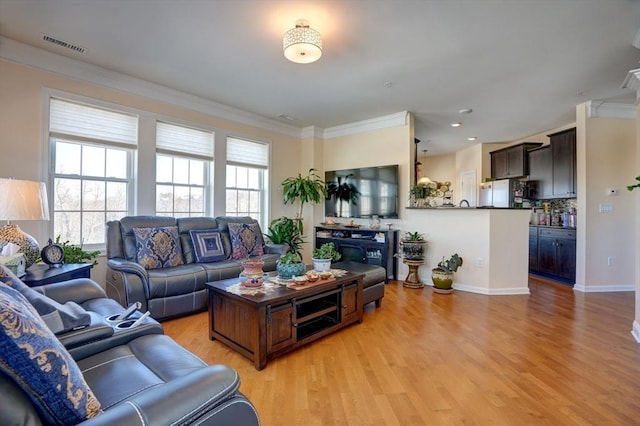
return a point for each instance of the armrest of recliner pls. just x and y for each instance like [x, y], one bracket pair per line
[129, 267]
[98, 329]
[209, 395]
[78, 290]
[127, 282]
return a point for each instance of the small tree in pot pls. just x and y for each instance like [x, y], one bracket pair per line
[442, 276]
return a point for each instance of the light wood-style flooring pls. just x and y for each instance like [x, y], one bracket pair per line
[554, 357]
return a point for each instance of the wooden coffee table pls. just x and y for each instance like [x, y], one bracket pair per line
[267, 322]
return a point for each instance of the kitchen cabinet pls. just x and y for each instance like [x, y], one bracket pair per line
[533, 248]
[563, 153]
[556, 253]
[540, 171]
[512, 161]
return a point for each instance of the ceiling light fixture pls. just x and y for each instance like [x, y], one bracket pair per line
[472, 138]
[302, 44]
[456, 124]
[465, 111]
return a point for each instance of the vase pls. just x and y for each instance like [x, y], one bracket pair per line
[321, 265]
[413, 250]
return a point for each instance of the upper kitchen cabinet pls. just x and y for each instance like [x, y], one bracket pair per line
[512, 161]
[563, 152]
[553, 167]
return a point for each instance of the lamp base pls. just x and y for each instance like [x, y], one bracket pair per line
[28, 245]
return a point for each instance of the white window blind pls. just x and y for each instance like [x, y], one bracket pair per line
[91, 123]
[245, 152]
[173, 139]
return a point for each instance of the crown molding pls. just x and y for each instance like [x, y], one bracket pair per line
[387, 121]
[632, 81]
[601, 109]
[312, 132]
[14, 51]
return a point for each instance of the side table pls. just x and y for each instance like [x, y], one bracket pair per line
[41, 274]
[413, 279]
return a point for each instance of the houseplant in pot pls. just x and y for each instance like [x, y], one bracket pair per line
[304, 189]
[442, 276]
[286, 231]
[324, 255]
[413, 246]
[290, 265]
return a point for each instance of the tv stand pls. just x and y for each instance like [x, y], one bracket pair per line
[364, 245]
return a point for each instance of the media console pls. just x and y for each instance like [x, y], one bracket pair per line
[372, 246]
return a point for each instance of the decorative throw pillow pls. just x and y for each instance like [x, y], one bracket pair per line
[207, 245]
[40, 365]
[58, 317]
[246, 240]
[158, 247]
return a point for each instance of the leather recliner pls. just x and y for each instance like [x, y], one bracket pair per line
[139, 376]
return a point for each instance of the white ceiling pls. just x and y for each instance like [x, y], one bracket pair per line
[521, 65]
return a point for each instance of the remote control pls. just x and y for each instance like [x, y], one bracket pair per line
[130, 310]
[139, 320]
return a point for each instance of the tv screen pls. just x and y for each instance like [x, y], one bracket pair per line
[362, 192]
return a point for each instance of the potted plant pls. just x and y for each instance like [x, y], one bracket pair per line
[442, 276]
[324, 255]
[286, 231]
[413, 246]
[290, 265]
[304, 189]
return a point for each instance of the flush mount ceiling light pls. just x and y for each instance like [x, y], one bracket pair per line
[302, 44]
[456, 124]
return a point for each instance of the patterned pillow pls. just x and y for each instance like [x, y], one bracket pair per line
[246, 240]
[207, 245]
[158, 247]
[40, 365]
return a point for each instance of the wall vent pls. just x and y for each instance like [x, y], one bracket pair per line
[65, 44]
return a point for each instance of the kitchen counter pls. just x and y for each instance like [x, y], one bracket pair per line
[467, 208]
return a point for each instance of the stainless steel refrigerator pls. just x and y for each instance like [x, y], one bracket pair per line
[497, 193]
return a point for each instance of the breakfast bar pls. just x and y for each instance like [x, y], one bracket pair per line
[494, 243]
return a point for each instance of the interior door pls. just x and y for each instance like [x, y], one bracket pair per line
[469, 187]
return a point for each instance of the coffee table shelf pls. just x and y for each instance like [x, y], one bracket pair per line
[265, 325]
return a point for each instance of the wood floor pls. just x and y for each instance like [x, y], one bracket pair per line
[554, 357]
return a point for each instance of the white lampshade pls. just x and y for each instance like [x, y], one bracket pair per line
[22, 200]
[302, 44]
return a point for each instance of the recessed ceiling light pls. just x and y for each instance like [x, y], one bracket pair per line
[287, 117]
[388, 84]
[472, 138]
[465, 111]
[456, 124]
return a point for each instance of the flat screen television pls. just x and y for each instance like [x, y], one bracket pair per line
[362, 192]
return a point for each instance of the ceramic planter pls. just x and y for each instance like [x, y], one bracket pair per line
[442, 281]
[413, 250]
[288, 270]
[321, 265]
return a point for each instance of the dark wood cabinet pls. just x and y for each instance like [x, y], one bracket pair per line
[371, 246]
[553, 167]
[540, 172]
[533, 248]
[556, 252]
[563, 149]
[512, 161]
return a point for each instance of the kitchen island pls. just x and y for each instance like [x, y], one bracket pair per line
[494, 243]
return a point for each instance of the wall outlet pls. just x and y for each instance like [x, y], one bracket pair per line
[610, 261]
[605, 208]
[480, 262]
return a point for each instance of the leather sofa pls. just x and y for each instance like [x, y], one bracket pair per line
[139, 375]
[177, 290]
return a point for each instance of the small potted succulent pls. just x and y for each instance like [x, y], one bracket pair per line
[442, 276]
[324, 255]
[413, 246]
[290, 265]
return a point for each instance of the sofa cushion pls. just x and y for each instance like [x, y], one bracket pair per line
[246, 240]
[158, 247]
[207, 245]
[40, 365]
[128, 223]
[186, 224]
[58, 317]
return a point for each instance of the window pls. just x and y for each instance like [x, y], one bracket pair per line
[92, 152]
[183, 157]
[247, 171]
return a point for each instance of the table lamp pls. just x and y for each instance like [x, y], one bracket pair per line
[22, 200]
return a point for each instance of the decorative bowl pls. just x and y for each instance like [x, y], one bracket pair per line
[300, 279]
[312, 276]
[325, 275]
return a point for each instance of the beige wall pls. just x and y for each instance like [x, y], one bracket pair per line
[24, 145]
[607, 150]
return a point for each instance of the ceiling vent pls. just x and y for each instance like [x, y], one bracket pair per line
[65, 44]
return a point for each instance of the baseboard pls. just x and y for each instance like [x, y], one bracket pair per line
[492, 291]
[635, 332]
[603, 288]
